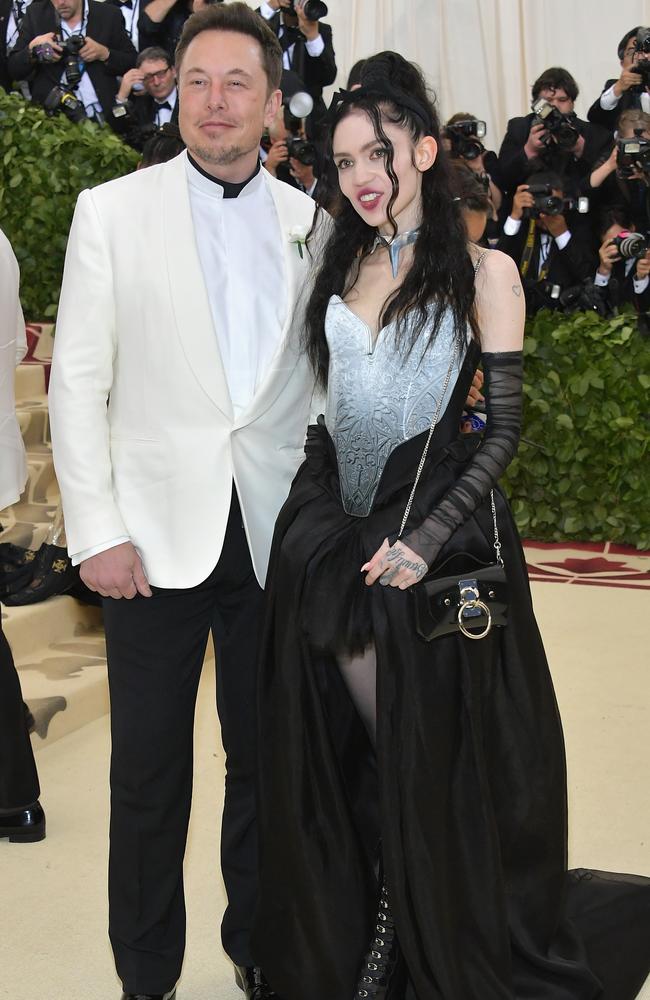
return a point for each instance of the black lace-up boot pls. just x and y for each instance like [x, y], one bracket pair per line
[383, 975]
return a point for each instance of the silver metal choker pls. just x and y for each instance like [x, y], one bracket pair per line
[395, 246]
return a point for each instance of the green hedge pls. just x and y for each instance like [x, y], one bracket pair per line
[582, 471]
[46, 162]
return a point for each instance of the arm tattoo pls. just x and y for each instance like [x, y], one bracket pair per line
[517, 290]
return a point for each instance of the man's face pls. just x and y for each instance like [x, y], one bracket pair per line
[541, 222]
[159, 78]
[68, 10]
[628, 54]
[559, 98]
[224, 99]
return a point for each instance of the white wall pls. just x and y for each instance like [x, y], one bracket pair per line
[483, 55]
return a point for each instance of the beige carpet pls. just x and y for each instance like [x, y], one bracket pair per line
[53, 943]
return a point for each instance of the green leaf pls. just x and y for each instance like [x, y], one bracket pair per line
[564, 420]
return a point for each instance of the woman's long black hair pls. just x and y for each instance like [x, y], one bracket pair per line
[441, 275]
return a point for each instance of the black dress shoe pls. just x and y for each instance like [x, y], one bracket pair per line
[25, 826]
[251, 980]
[150, 996]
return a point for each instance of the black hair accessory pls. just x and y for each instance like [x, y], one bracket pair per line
[381, 90]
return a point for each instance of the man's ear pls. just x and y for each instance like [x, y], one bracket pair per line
[272, 107]
[426, 152]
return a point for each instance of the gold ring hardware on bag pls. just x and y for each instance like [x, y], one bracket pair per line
[469, 606]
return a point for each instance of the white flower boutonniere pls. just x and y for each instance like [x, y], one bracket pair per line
[298, 235]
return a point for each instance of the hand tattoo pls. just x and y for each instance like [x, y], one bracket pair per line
[399, 560]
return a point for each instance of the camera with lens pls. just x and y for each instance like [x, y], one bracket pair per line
[71, 48]
[63, 99]
[560, 128]
[547, 203]
[633, 155]
[302, 150]
[313, 10]
[642, 66]
[631, 246]
[465, 138]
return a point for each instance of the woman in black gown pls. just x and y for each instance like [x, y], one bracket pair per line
[413, 794]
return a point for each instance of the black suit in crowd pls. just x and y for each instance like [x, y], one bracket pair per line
[514, 165]
[105, 25]
[142, 26]
[620, 289]
[165, 33]
[139, 124]
[18, 778]
[315, 72]
[567, 268]
[609, 119]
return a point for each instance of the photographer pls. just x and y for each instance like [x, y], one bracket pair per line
[148, 97]
[72, 52]
[624, 177]
[462, 137]
[631, 90]
[12, 13]
[307, 46]
[550, 255]
[623, 273]
[554, 134]
[288, 155]
[473, 200]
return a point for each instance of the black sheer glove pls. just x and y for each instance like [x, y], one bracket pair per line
[503, 382]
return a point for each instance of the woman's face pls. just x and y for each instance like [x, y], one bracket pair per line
[361, 163]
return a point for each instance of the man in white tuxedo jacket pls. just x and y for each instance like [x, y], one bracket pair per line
[179, 403]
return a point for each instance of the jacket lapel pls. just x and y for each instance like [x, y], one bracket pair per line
[296, 270]
[189, 295]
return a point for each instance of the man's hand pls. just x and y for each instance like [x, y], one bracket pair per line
[523, 199]
[627, 79]
[643, 266]
[302, 173]
[93, 51]
[278, 153]
[130, 77]
[534, 143]
[308, 28]
[608, 254]
[579, 147]
[47, 39]
[395, 566]
[117, 572]
[555, 224]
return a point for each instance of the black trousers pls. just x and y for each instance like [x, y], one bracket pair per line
[18, 777]
[155, 648]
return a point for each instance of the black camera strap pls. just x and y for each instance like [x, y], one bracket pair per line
[529, 249]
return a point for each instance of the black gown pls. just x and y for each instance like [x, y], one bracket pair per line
[466, 793]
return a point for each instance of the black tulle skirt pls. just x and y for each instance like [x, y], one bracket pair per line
[465, 798]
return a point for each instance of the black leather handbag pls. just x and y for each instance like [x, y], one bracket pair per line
[462, 594]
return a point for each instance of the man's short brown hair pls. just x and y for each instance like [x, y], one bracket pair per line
[240, 18]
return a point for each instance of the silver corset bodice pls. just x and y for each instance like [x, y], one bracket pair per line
[376, 400]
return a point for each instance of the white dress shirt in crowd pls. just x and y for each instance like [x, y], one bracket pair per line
[512, 226]
[164, 114]
[315, 47]
[241, 251]
[640, 284]
[131, 14]
[17, 12]
[609, 100]
[85, 90]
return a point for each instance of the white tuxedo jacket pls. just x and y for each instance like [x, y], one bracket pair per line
[144, 436]
[13, 346]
